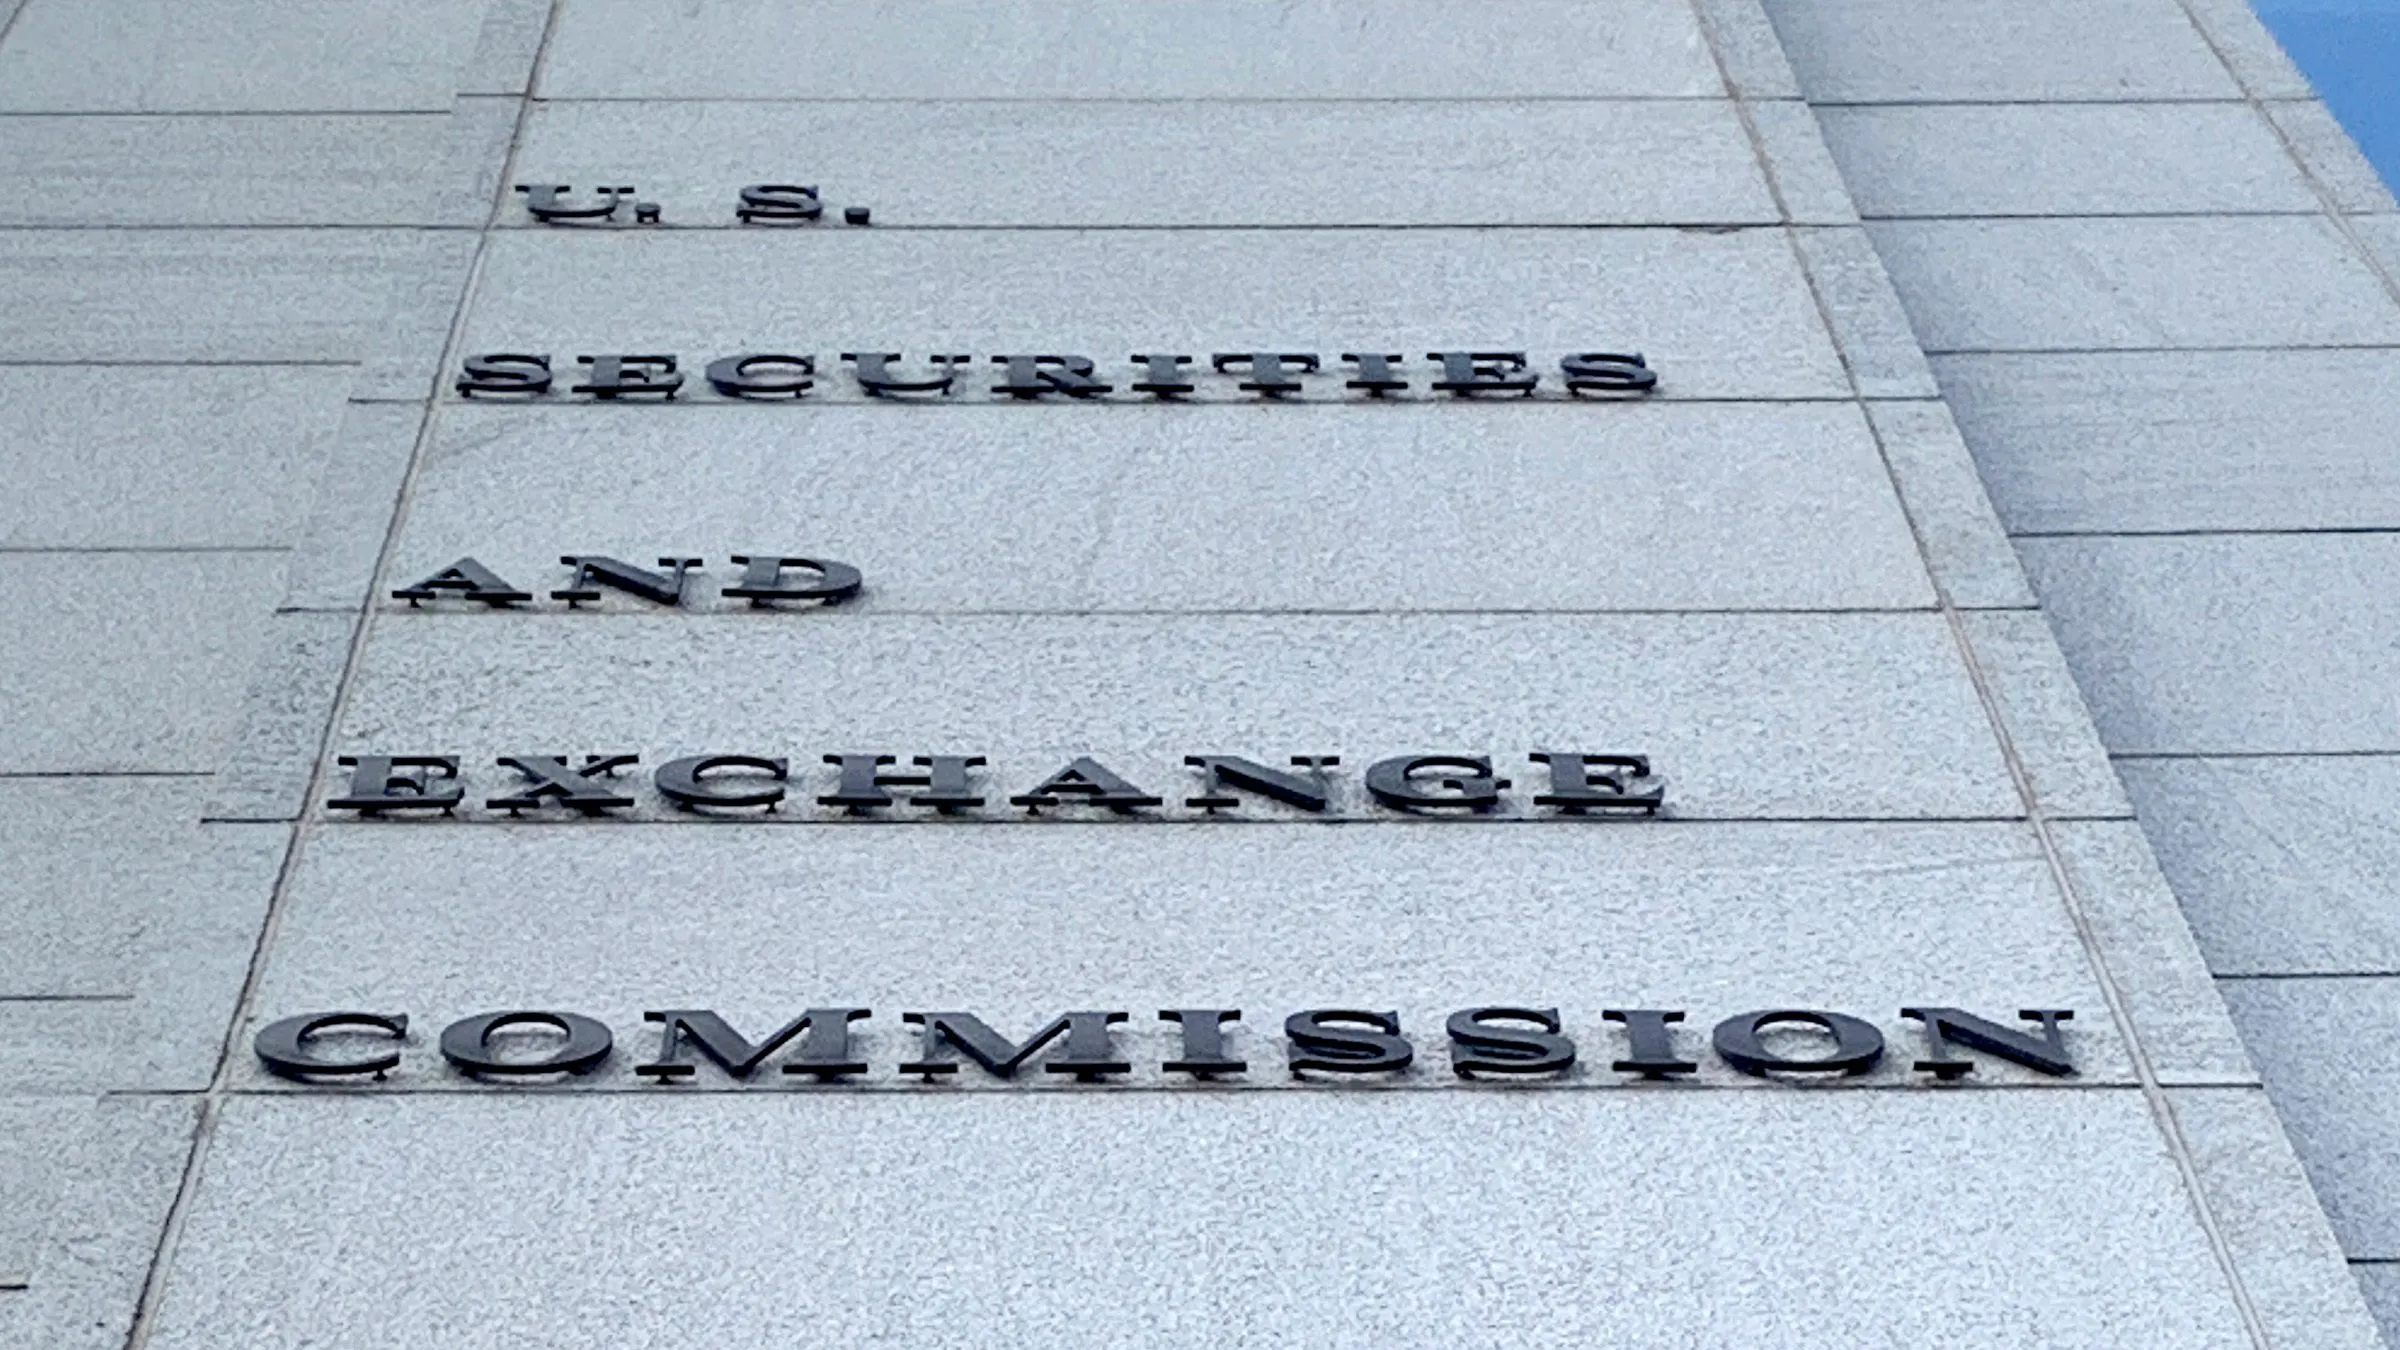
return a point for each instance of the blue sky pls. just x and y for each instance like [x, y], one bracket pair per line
[2350, 49]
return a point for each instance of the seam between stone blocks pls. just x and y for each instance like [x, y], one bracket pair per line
[2154, 1093]
[2329, 203]
[212, 1099]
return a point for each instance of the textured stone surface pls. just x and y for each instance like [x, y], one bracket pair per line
[1795, 153]
[2208, 281]
[1498, 506]
[1746, 714]
[2283, 865]
[1904, 51]
[2380, 1283]
[285, 713]
[1719, 314]
[1970, 558]
[2331, 156]
[89, 1182]
[171, 457]
[2150, 954]
[1553, 162]
[226, 56]
[1216, 49]
[1421, 917]
[1601, 1210]
[254, 170]
[268, 295]
[126, 662]
[131, 929]
[349, 519]
[2229, 643]
[2281, 1245]
[2035, 695]
[2326, 1048]
[2063, 159]
[1878, 348]
[2136, 441]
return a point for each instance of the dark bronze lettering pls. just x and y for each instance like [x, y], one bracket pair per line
[1217, 772]
[1607, 373]
[762, 375]
[1651, 1043]
[1162, 375]
[778, 204]
[550, 780]
[659, 588]
[1740, 1041]
[283, 1046]
[467, 1044]
[1945, 1027]
[1203, 1041]
[1326, 1040]
[547, 203]
[683, 782]
[377, 784]
[466, 579]
[1091, 783]
[1417, 783]
[874, 374]
[1375, 373]
[617, 375]
[825, 1052]
[763, 585]
[504, 373]
[1090, 1050]
[863, 780]
[1272, 374]
[1481, 1042]
[1581, 783]
[1028, 377]
[1468, 374]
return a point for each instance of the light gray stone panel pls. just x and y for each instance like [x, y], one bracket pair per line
[2380, 236]
[1855, 292]
[1198, 1220]
[1488, 506]
[89, 1183]
[2248, 49]
[1719, 314]
[2150, 955]
[2326, 1047]
[2281, 1246]
[126, 662]
[1794, 150]
[2331, 156]
[1212, 49]
[227, 56]
[167, 457]
[195, 295]
[400, 358]
[350, 517]
[2035, 695]
[2380, 1283]
[1748, 49]
[475, 157]
[1971, 559]
[506, 47]
[1007, 920]
[145, 170]
[2074, 284]
[285, 714]
[1747, 714]
[131, 928]
[2229, 643]
[2283, 865]
[1906, 51]
[2159, 441]
[1552, 162]
[2066, 159]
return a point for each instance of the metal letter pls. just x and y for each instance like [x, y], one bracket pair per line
[377, 785]
[1576, 789]
[467, 1044]
[1947, 1026]
[1203, 1041]
[876, 378]
[657, 588]
[1033, 376]
[1375, 372]
[468, 580]
[1089, 1052]
[553, 780]
[283, 1046]
[762, 580]
[778, 204]
[1467, 374]
[1090, 780]
[679, 781]
[1507, 1049]
[1652, 1044]
[1270, 372]
[1162, 375]
[825, 1052]
[1396, 782]
[618, 375]
[1608, 373]
[547, 202]
[863, 781]
[730, 375]
[1857, 1045]
[1323, 1041]
[504, 373]
[1217, 771]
